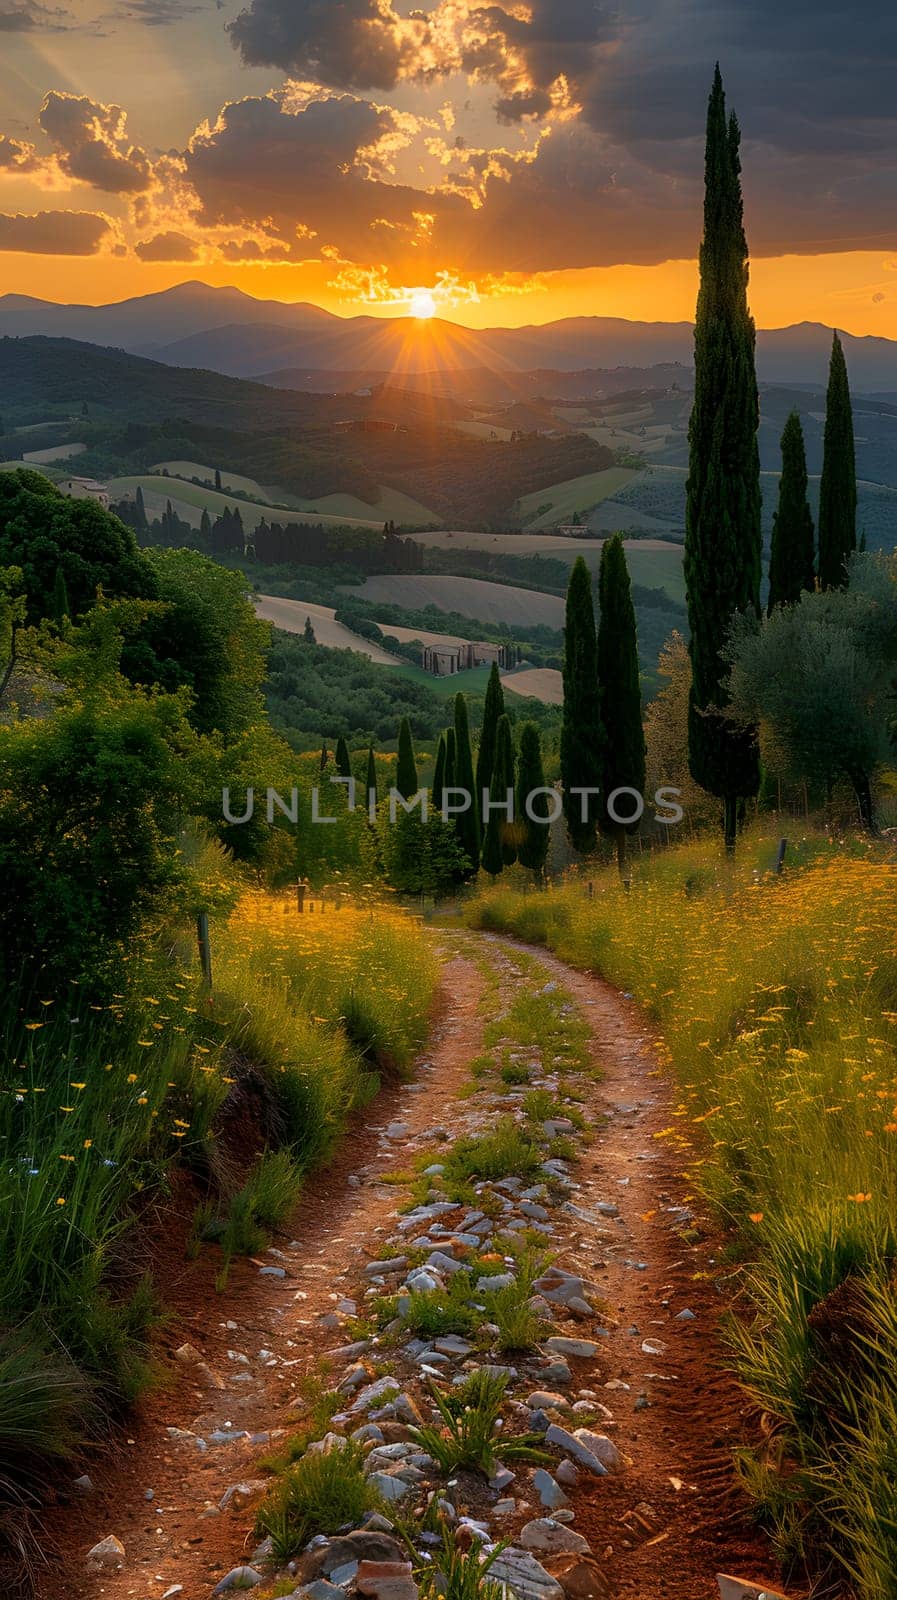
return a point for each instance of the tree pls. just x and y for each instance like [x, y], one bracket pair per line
[13, 612]
[370, 782]
[43, 532]
[61, 604]
[722, 516]
[532, 810]
[343, 759]
[141, 521]
[499, 845]
[582, 736]
[325, 756]
[450, 762]
[838, 486]
[820, 678]
[218, 479]
[621, 696]
[467, 822]
[666, 736]
[206, 637]
[493, 709]
[205, 530]
[308, 632]
[406, 767]
[791, 561]
[439, 774]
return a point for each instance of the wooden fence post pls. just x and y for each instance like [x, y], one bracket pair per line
[205, 947]
[300, 897]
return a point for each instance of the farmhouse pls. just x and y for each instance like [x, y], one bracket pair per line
[445, 659]
[86, 489]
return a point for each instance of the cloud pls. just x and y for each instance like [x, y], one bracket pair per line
[92, 145]
[156, 13]
[169, 246]
[55, 233]
[17, 156]
[354, 43]
[29, 18]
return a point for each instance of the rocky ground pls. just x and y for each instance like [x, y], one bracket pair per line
[625, 1487]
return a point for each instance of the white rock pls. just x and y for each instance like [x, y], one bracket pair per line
[552, 1537]
[110, 1552]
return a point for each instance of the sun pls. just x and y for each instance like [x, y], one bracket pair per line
[421, 304]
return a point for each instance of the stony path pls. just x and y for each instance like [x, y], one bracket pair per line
[639, 1421]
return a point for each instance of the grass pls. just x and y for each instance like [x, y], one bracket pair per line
[777, 999]
[100, 1102]
[469, 1417]
[507, 1152]
[560, 502]
[322, 1493]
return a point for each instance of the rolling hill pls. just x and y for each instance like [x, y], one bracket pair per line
[195, 325]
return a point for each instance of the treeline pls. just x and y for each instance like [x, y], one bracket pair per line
[361, 550]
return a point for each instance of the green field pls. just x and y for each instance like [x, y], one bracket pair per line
[392, 506]
[472, 682]
[190, 500]
[560, 502]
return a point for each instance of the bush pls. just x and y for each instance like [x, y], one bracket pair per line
[322, 1493]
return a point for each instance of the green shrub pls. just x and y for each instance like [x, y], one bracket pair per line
[469, 1416]
[320, 1494]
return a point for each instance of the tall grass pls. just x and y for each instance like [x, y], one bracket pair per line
[777, 1000]
[98, 1103]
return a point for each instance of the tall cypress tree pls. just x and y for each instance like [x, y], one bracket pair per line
[370, 782]
[406, 766]
[533, 834]
[722, 516]
[499, 847]
[439, 774]
[467, 823]
[450, 764]
[60, 605]
[343, 759]
[838, 487]
[493, 709]
[141, 521]
[582, 736]
[791, 558]
[621, 695]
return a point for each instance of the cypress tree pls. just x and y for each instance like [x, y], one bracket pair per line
[582, 737]
[533, 835]
[467, 824]
[343, 759]
[141, 522]
[308, 632]
[493, 709]
[621, 695]
[450, 763]
[61, 607]
[439, 774]
[218, 478]
[370, 782]
[205, 530]
[324, 755]
[838, 487]
[722, 516]
[406, 767]
[792, 551]
[499, 847]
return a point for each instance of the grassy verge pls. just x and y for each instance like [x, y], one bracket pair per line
[777, 998]
[97, 1110]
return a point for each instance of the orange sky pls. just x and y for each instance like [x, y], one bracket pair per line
[855, 291]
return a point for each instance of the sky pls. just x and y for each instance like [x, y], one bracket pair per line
[500, 163]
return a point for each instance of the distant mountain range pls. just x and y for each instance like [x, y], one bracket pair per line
[293, 345]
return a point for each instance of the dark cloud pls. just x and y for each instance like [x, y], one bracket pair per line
[346, 43]
[30, 18]
[55, 233]
[156, 13]
[170, 246]
[266, 167]
[18, 156]
[91, 143]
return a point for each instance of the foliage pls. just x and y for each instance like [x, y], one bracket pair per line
[493, 709]
[504, 1153]
[582, 734]
[723, 538]
[838, 485]
[44, 533]
[313, 692]
[820, 677]
[406, 766]
[499, 843]
[792, 553]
